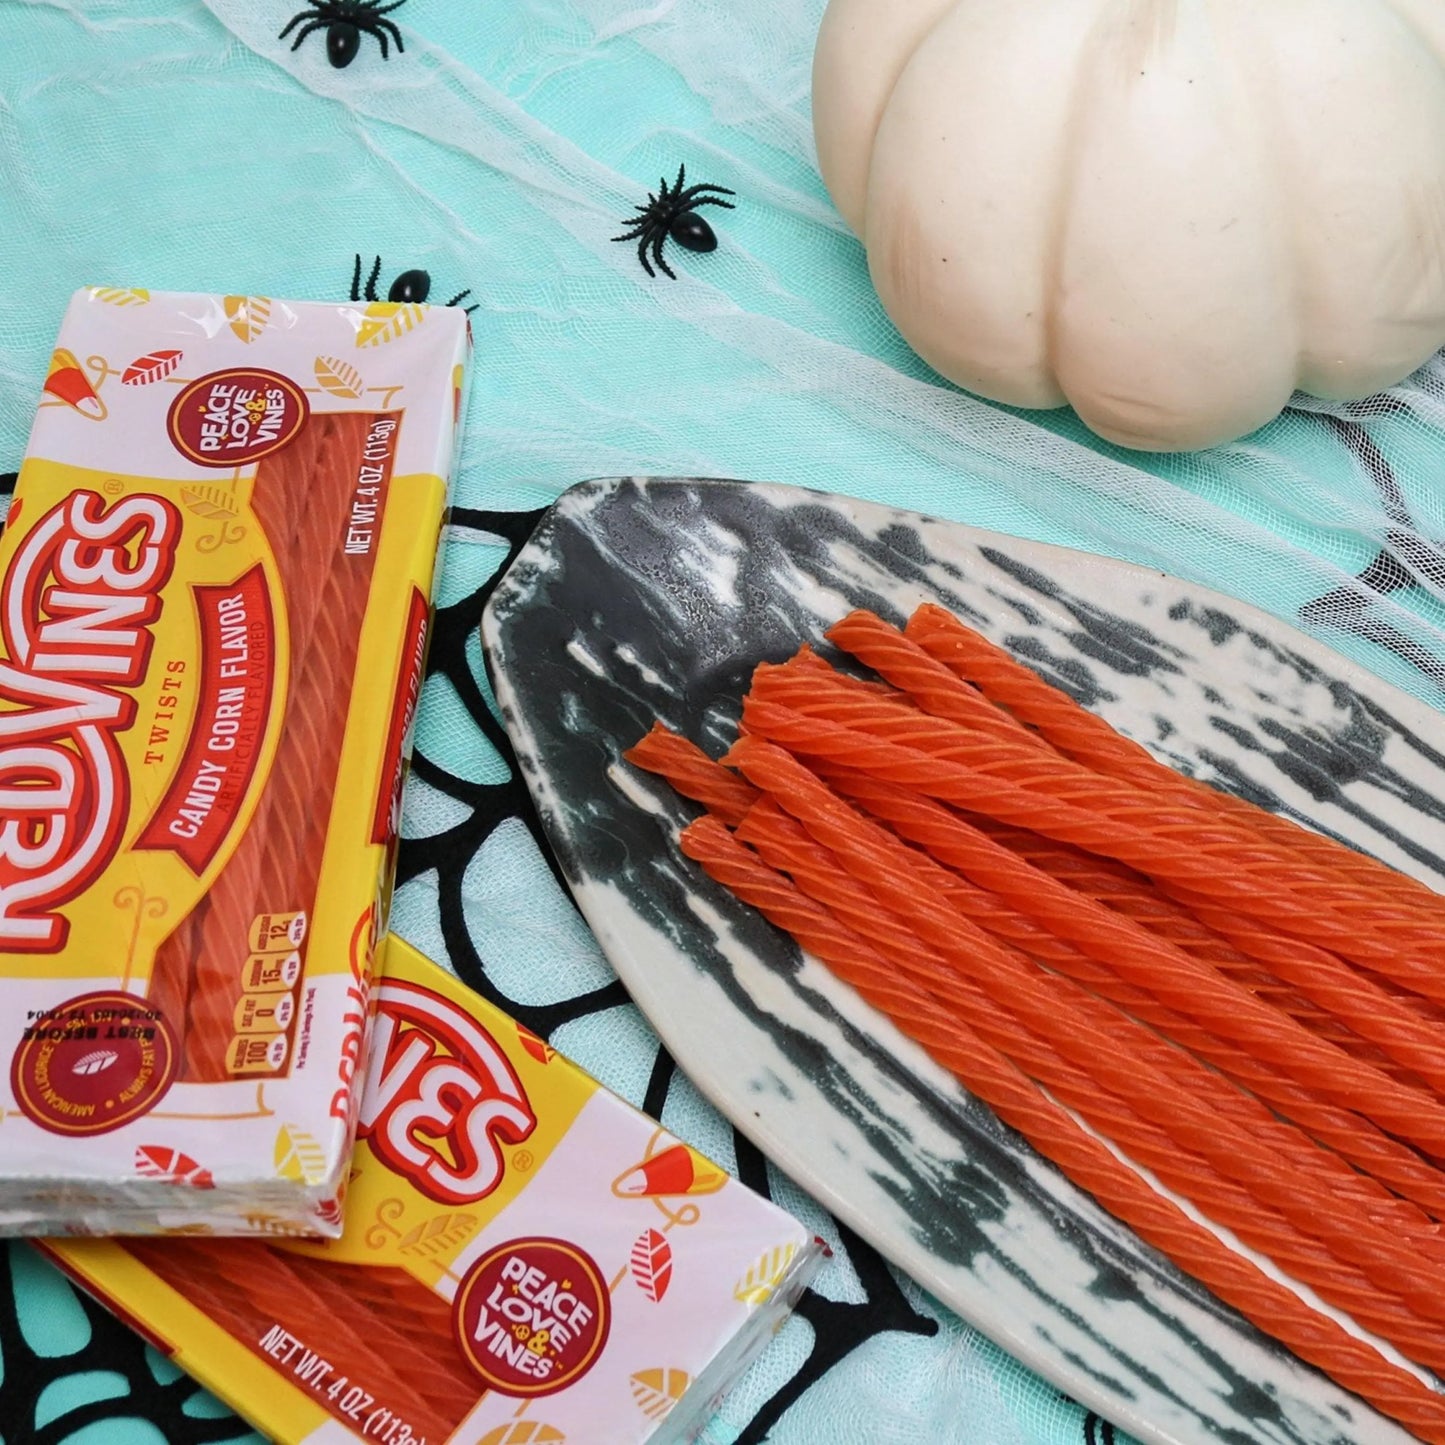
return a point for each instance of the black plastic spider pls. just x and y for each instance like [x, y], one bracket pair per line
[409, 286]
[673, 212]
[343, 21]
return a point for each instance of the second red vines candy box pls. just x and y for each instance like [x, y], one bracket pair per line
[526, 1260]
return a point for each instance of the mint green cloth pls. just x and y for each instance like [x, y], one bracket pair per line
[175, 145]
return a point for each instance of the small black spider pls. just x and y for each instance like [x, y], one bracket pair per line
[343, 21]
[412, 286]
[673, 212]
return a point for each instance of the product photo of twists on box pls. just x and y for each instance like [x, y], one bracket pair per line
[1223, 1026]
[280, 855]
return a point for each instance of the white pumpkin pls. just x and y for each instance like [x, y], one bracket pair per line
[1168, 213]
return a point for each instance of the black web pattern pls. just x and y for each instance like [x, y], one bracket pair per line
[33, 1383]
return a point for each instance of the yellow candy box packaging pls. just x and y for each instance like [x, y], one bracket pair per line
[215, 581]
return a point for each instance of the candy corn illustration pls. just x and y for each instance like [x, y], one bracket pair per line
[673, 1171]
[539, 1049]
[68, 382]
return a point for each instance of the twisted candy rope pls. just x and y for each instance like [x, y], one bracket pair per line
[1133, 895]
[997, 915]
[921, 821]
[987, 1074]
[1354, 1138]
[1319, 976]
[693, 774]
[277, 862]
[1382, 1159]
[784, 844]
[397, 1343]
[1170, 974]
[1113, 1048]
[1182, 846]
[1286, 854]
[1079, 734]
[817, 873]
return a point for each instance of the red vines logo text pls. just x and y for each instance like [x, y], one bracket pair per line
[75, 606]
[437, 1075]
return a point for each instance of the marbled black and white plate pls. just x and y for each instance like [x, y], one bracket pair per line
[644, 599]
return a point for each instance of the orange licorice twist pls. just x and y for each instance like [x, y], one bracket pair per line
[1355, 1139]
[768, 826]
[827, 695]
[1030, 763]
[1182, 846]
[818, 691]
[1275, 1309]
[172, 981]
[302, 498]
[1382, 1018]
[935, 689]
[282, 849]
[1319, 976]
[816, 872]
[1095, 1038]
[1299, 872]
[1133, 895]
[1011, 763]
[693, 774]
[1088, 739]
[806, 658]
[1170, 974]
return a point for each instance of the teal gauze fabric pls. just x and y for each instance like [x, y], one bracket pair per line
[178, 145]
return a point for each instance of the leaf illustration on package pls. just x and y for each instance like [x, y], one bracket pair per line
[299, 1156]
[153, 366]
[767, 1273]
[539, 1048]
[439, 1233]
[213, 503]
[157, 1161]
[524, 1432]
[338, 377]
[120, 295]
[384, 321]
[248, 315]
[651, 1264]
[657, 1391]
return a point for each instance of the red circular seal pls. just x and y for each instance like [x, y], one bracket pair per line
[230, 418]
[532, 1316]
[93, 1064]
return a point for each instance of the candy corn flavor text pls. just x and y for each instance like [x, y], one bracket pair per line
[215, 582]
[526, 1258]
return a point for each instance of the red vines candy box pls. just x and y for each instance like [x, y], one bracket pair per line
[214, 596]
[527, 1260]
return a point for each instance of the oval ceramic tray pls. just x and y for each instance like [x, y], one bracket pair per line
[644, 599]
